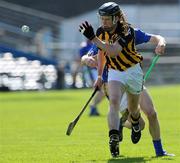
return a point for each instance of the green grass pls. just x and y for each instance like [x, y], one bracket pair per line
[33, 126]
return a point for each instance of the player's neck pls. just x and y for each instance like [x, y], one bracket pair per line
[113, 30]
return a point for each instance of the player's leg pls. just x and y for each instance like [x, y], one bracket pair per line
[123, 110]
[133, 101]
[128, 124]
[124, 115]
[116, 90]
[134, 88]
[75, 69]
[85, 77]
[125, 120]
[96, 100]
[148, 108]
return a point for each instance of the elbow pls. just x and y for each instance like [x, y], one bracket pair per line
[113, 51]
[162, 41]
[83, 59]
[157, 39]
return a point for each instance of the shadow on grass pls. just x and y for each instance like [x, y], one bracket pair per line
[138, 159]
[126, 159]
[167, 158]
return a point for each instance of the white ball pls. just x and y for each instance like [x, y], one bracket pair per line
[25, 28]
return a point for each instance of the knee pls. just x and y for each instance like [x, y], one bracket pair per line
[152, 116]
[114, 102]
[142, 125]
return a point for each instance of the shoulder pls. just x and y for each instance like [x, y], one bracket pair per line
[140, 32]
[141, 36]
[99, 31]
[131, 30]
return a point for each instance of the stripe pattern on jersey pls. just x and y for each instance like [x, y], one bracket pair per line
[128, 56]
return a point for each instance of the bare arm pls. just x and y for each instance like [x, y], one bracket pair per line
[101, 63]
[111, 49]
[160, 43]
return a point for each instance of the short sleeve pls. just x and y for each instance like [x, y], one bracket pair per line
[93, 51]
[141, 37]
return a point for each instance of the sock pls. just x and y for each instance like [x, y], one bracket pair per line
[113, 132]
[158, 147]
[92, 107]
[135, 121]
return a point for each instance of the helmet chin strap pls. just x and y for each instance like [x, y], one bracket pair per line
[114, 20]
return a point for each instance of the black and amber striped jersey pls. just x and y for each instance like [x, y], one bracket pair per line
[128, 55]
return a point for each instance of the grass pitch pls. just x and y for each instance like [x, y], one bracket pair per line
[33, 127]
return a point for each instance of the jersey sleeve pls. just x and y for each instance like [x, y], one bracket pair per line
[141, 37]
[82, 51]
[93, 51]
[99, 31]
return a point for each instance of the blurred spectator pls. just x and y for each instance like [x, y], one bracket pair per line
[60, 82]
[42, 80]
[42, 40]
[89, 75]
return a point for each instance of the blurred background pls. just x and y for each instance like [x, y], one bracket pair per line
[47, 57]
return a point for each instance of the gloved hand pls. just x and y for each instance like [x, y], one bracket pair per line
[87, 30]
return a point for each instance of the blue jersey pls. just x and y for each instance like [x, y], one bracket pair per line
[141, 37]
[85, 49]
[93, 51]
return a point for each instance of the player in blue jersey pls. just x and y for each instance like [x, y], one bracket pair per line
[89, 76]
[145, 103]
